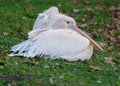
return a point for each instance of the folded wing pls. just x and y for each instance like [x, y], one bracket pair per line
[43, 18]
[58, 43]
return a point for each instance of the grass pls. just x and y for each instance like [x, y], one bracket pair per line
[16, 20]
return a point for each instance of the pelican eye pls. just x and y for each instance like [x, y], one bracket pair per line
[68, 22]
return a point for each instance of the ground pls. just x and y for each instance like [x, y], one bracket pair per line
[100, 19]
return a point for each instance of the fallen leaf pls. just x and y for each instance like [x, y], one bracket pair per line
[112, 40]
[109, 60]
[118, 39]
[96, 68]
[111, 44]
[100, 7]
[24, 18]
[101, 30]
[94, 34]
[13, 83]
[90, 9]
[86, 1]
[119, 54]
[84, 25]
[83, 19]
[59, 5]
[111, 26]
[46, 66]
[112, 8]
[61, 77]
[5, 33]
[75, 10]
[102, 44]
[110, 49]
[117, 14]
[30, 63]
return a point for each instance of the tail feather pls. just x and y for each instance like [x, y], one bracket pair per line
[21, 49]
[18, 46]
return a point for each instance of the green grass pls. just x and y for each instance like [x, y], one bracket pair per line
[16, 20]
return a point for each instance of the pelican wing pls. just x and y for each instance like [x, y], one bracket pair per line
[43, 18]
[58, 43]
[41, 22]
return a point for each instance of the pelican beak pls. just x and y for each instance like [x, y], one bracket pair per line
[92, 42]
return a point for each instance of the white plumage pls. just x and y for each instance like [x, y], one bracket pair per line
[64, 44]
[43, 18]
[60, 38]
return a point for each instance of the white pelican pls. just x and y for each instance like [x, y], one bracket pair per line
[61, 39]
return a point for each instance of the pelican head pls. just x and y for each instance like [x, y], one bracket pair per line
[61, 21]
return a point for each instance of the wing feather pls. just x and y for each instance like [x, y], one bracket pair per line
[57, 43]
[43, 18]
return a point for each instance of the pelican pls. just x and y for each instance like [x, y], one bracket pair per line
[60, 39]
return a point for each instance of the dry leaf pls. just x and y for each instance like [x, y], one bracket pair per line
[24, 18]
[30, 63]
[90, 9]
[5, 33]
[112, 8]
[111, 26]
[100, 7]
[95, 34]
[102, 44]
[109, 60]
[75, 10]
[86, 1]
[110, 49]
[59, 5]
[83, 19]
[119, 54]
[117, 14]
[112, 40]
[101, 30]
[46, 66]
[84, 25]
[118, 39]
[96, 68]
[13, 83]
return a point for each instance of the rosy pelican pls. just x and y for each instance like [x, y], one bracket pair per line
[61, 39]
